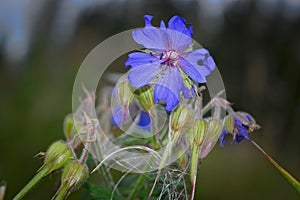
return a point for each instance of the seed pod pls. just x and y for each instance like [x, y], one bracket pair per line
[74, 175]
[124, 93]
[58, 155]
[197, 132]
[181, 119]
[69, 127]
[229, 123]
[214, 129]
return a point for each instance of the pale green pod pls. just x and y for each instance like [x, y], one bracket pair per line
[214, 129]
[181, 119]
[70, 130]
[229, 123]
[197, 132]
[74, 175]
[124, 93]
[58, 155]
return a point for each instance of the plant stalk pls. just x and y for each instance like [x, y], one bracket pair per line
[285, 173]
[43, 172]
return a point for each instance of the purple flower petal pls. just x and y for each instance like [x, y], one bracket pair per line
[168, 88]
[151, 38]
[162, 24]
[145, 121]
[148, 19]
[222, 137]
[191, 70]
[118, 116]
[144, 74]
[178, 41]
[197, 55]
[138, 58]
[179, 24]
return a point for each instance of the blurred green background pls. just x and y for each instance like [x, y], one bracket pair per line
[255, 44]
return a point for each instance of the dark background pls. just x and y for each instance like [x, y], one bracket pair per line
[255, 44]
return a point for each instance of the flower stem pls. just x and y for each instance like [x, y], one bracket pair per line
[33, 182]
[137, 187]
[154, 184]
[285, 173]
[194, 166]
[139, 182]
[61, 194]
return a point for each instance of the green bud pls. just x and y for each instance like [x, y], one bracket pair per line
[58, 155]
[69, 127]
[229, 123]
[214, 129]
[197, 132]
[124, 93]
[74, 175]
[181, 158]
[145, 97]
[181, 119]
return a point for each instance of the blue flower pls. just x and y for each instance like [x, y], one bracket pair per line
[168, 62]
[238, 125]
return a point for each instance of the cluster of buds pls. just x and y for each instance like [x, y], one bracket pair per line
[59, 156]
[62, 155]
[204, 132]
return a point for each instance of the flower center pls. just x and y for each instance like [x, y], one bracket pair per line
[170, 58]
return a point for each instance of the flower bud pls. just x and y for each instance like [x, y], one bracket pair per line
[214, 129]
[69, 127]
[229, 123]
[145, 97]
[238, 124]
[74, 175]
[58, 155]
[197, 132]
[124, 93]
[181, 118]
[248, 121]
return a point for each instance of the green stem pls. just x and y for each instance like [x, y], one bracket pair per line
[285, 173]
[33, 182]
[194, 168]
[206, 108]
[137, 187]
[139, 183]
[62, 193]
